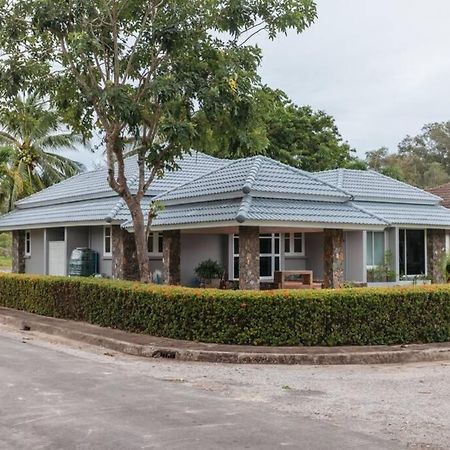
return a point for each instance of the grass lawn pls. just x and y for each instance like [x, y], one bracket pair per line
[5, 263]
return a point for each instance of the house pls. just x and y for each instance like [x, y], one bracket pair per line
[252, 215]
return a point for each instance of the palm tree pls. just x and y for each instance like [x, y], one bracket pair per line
[31, 139]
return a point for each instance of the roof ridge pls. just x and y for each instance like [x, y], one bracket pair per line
[405, 184]
[340, 179]
[243, 210]
[252, 174]
[308, 175]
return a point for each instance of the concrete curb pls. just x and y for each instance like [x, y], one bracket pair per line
[155, 347]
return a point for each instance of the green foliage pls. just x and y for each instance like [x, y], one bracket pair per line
[384, 272]
[422, 160]
[142, 70]
[295, 135]
[5, 244]
[31, 139]
[358, 316]
[209, 269]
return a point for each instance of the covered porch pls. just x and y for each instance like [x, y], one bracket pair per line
[251, 255]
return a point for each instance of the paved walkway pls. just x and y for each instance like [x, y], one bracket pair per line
[150, 346]
[52, 399]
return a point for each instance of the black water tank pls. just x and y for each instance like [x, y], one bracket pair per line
[83, 262]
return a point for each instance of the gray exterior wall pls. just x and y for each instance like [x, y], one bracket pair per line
[96, 244]
[36, 262]
[76, 237]
[314, 254]
[355, 256]
[196, 248]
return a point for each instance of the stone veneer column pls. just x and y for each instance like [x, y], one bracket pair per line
[18, 251]
[171, 257]
[124, 260]
[436, 255]
[333, 258]
[248, 257]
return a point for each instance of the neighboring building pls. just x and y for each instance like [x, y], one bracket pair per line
[253, 215]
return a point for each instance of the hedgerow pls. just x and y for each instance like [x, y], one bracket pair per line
[359, 316]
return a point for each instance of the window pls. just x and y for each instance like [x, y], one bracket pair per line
[412, 252]
[155, 244]
[107, 241]
[269, 256]
[27, 243]
[294, 244]
[375, 248]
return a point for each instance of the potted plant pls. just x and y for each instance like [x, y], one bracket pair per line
[209, 273]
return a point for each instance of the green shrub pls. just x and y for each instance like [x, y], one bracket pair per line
[322, 317]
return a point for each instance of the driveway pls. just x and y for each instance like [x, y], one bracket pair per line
[58, 396]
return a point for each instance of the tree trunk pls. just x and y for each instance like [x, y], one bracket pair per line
[141, 241]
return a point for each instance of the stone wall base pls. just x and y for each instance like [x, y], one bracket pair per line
[248, 257]
[18, 251]
[124, 259]
[333, 258]
[436, 255]
[172, 257]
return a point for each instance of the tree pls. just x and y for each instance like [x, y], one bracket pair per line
[143, 68]
[31, 136]
[431, 145]
[413, 167]
[292, 134]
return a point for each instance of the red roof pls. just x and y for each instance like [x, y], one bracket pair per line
[442, 191]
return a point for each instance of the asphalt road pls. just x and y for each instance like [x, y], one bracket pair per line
[53, 399]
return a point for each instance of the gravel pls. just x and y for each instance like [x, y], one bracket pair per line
[409, 403]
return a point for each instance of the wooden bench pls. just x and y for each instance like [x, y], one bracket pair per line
[295, 279]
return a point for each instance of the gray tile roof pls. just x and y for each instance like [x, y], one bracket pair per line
[64, 213]
[267, 210]
[93, 184]
[259, 175]
[373, 186]
[209, 190]
[409, 214]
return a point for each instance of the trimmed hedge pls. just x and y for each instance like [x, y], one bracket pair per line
[322, 317]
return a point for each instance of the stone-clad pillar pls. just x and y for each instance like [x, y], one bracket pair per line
[436, 255]
[248, 257]
[18, 251]
[172, 257]
[333, 258]
[124, 259]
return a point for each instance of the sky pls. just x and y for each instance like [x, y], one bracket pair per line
[380, 67]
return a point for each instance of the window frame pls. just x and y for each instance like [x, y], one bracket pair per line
[405, 253]
[105, 253]
[291, 237]
[154, 237]
[27, 249]
[273, 255]
[373, 266]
